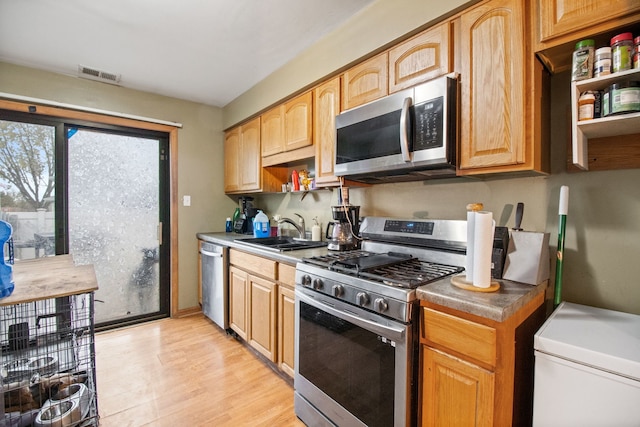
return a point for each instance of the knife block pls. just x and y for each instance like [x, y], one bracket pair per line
[527, 258]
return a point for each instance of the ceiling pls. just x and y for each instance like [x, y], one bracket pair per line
[207, 51]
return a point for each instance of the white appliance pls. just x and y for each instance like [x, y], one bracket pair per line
[587, 368]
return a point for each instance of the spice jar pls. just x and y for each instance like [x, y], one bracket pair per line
[624, 97]
[636, 52]
[622, 52]
[582, 67]
[602, 62]
[586, 105]
[606, 106]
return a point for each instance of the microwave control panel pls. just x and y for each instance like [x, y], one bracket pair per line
[428, 127]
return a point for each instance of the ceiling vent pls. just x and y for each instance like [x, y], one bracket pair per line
[99, 75]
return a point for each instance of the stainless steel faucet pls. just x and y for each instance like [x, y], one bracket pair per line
[300, 226]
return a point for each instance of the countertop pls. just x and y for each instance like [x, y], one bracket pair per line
[49, 277]
[497, 306]
[287, 257]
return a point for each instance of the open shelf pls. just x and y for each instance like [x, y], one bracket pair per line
[618, 125]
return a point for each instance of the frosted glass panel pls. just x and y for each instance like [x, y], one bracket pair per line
[113, 218]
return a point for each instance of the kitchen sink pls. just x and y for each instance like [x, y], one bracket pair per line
[281, 243]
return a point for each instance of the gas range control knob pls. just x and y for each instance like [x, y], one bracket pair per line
[317, 284]
[380, 304]
[306, 280]
[362, 298]
[337, 290]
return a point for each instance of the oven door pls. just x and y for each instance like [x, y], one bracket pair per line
[352, 367]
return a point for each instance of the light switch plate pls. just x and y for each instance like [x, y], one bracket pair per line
[186, 200]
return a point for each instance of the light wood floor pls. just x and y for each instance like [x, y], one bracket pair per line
[186, 372]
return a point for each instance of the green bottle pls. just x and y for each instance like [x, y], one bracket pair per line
[236, 216]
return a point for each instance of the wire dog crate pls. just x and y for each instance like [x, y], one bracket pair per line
[48, 361]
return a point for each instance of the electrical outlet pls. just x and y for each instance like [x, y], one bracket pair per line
[186, 200]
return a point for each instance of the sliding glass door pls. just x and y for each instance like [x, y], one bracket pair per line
[114, 218]
[105, 202]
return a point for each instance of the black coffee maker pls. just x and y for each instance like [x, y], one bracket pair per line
[244, 224]
[343, 234]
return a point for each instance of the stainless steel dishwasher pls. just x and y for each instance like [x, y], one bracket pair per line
[214, 267]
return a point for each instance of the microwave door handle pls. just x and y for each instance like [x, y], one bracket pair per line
[404, 131]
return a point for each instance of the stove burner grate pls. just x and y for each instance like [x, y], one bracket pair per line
[392, 269]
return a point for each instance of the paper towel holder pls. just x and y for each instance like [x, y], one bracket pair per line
[461, 282]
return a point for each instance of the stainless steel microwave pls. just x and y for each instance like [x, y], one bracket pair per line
[409, 135]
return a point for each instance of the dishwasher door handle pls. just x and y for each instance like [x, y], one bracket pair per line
[213, 254]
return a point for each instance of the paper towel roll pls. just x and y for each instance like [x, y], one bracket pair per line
[471, 220]
[482, 249]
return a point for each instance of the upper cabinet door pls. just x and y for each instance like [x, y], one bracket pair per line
[365, 82]
[231, 159]
[562, 17]
[298, 117]
[492, 81]
[250, 162]
[423, 57]
[326, 108]
[273, 131]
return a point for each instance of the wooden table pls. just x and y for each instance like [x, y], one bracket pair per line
[49, 277]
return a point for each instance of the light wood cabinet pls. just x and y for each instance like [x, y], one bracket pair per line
[421, 58]
[286, 318]
[262, 306]
[262, 316]
[298, 120]
[238, 297]
[252, 300]
[561, 23]
[289, 133]
[243, 171]
[502, 92]
[232, 160]
[447, 376]
[289, 126]
[477, 371]
[327, 107]
[365, 82]
[574, 17]
[273, 131]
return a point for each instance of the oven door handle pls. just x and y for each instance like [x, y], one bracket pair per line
[393, 333]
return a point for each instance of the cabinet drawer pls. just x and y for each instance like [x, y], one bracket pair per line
[255, 264]
[460, 335]
[287, 275]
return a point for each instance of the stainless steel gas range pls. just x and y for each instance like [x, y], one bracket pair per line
[356, 322]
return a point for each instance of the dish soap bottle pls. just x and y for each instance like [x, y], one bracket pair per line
[316, 234]
[261, 226]
[236, 216]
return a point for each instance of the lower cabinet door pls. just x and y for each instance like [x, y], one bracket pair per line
[455, 392]
[286, 332]
[238, 287]
[262, 316]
